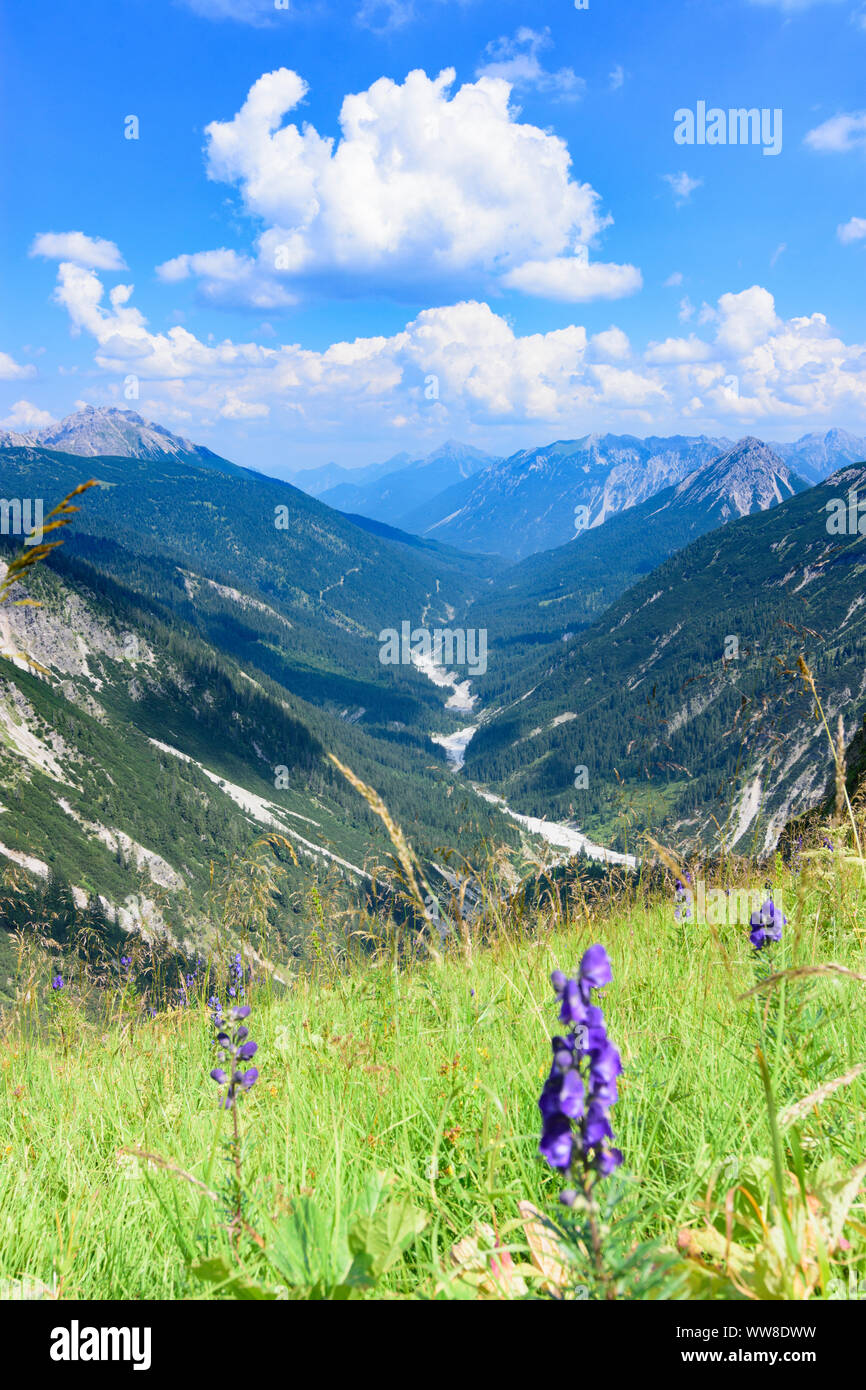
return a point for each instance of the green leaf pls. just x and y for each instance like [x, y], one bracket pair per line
[303, 1247]
[378, 1240]
[217, 1270]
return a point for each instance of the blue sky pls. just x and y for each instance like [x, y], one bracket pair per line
[349, 229]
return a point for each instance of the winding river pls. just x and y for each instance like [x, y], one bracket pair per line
[561, 836]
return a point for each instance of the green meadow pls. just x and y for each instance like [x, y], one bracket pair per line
[389, 1147]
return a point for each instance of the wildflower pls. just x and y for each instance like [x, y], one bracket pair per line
[126, 962]
[827, 844]
[766, 925]
[57, 982]
[234, 1047]
[683, 899]
[581, 1085]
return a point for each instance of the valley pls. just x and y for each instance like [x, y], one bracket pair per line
[236, 637]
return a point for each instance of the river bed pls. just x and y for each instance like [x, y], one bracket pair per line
[559, 835]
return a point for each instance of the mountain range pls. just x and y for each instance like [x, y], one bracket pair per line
[97, 430]
[397, 495]
[208, 635]
[542, 602]
[536, 499]
[684, 702]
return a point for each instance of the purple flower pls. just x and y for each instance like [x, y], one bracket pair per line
[126, 962]
[557, 1142]
[57, 982]
[766, 925]
[235, 1046]
[683, 900]
[595, 971]
[581, 1085]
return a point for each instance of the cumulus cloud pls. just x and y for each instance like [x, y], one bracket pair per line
[90, 251]
[424, 186]
[689, 349]
[574, 280]
[517, 61]
[749, 366]
[852, 230]
[746, 319]
[25, 416]
[10, 370]
[839, 134]
[612, 345]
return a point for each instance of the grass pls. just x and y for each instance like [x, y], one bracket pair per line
[431, 1074]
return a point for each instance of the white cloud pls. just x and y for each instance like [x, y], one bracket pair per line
[10, 370]
[423, 187]
[78, 248]
[746, 319]
[839, 134]
[852, 230]
[687, 309]
[25, 416]
[682, 186]
[224, 271]
[574, 279]
[689, 349]
[788, 370]
[673, 280]
[617, 77]
[516, 60]
[610, 346]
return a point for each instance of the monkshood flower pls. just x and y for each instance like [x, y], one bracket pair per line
[766, 925]
[125, 962]
[57, 982]
[235, 1047]
[581, 1086]
[683, 900]
[236, 976]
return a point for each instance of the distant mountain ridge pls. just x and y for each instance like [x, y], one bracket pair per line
[549, 597]
[401, 491]
[528, 502]
[683, 702]
[316, 481]
[816, 456]
[107, 430]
